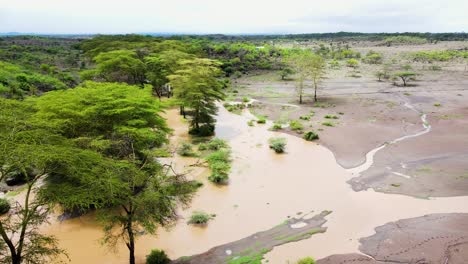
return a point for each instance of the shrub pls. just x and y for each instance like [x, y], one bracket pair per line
[277, 144]
[373, 57]
[200, 218]
[4, 206]
[276, 127]
[261, 120]
[306, 260]
[203, 146]
[217, 144]
[353, 63]
[219, 163]
[250, 123]
[203, 131]
[186, 150]
[296, 125]
[311, 135]
[306, 117]
[245, 99]
[438, 104]
[157, 257]
[331, 117]
[330, 124]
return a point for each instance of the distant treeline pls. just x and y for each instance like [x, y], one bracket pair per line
[334, 36]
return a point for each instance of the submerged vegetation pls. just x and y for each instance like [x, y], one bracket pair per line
[278, 144]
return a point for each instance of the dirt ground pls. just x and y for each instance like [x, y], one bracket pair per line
[371, 113]
[437, 238]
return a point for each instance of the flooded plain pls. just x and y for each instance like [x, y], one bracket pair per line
[264, 190]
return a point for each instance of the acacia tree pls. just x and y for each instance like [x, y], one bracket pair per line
[30, 153]
[196, 86]
[121, 123]
[160, 65]
[306, 65]
[405, 76]
[117, 66]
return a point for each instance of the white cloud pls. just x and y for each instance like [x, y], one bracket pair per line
[235, 16]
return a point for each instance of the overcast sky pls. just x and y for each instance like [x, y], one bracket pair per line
[231, 17]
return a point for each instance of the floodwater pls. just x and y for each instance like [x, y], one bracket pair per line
[264, 189]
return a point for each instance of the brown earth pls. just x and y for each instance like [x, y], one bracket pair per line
[372, 113]
[256, 245]
[436, 238]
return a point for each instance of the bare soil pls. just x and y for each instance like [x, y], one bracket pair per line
[371, 113]
[436, 238]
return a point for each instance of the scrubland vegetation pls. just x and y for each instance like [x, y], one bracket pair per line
[81, 122]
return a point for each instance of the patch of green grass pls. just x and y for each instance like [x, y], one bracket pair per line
[448, 117]
[437, 105]
[296, 125]
[261, 120]
[331, 117]
[16, 192]
[250, 123]
[254, 257]
[328, 123]
[322, 105]
[396, 185]
[407, 94]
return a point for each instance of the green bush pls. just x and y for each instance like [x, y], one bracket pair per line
[245, 99]
[296, 125]
[250, 123]
[306, 117]
[157, 257]
[277, 144]
[202, 131]
[311, 135]
[330, 124]
[219, 163]
[4, 206]
[353, 63]
[276, 127]
[200, 218]
[306, 260]
[331, 117]
[217, 144]
[261, 120]
[202, 146]
[186, 150]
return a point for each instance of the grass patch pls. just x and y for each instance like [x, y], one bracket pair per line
[310, 136]
[331, 117]
[296, 125]
[328, 123]
[396, 185]
[448, 117]
[437, 104]
[261, 120]
[252, 257]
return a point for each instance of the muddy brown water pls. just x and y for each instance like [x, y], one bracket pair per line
[264, 189]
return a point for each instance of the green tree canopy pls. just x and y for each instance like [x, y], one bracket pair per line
[196, 86]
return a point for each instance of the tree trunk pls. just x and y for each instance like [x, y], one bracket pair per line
[404, 81]
[131, 240]
[300, 98]
[315, 91]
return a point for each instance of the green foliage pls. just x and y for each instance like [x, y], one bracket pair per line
[305, 117]
[157, 256]
[306, 260]
[296, 125]
[276, 127]
[220, 164]
[261, 120]
[310, 136]
[285, 73]
[249, 257]
[186, 150]
[217, 144]
[197, 87]
[400, 40]
[352, 63]
[334, 64]
[405, 76]
[331, 116]
[329, 124]
[373, 57]
[278, 144]
[4, 206]
[200, 218]
[114, 119]
[250, 123]
[439, 55]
